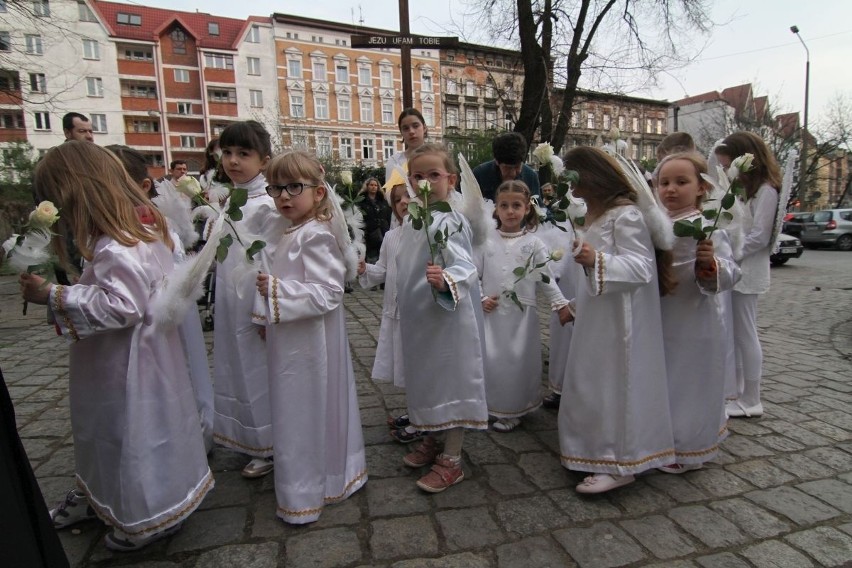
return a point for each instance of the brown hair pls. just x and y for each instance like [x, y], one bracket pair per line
[530, 221]
[97, 198]
[411, 111]
[433, 149]
[698, 163]
[397, 192]
[607, 186]
[676, 142]
[295, 165]
[764, 168]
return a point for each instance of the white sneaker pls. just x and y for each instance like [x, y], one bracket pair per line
[258, 467]
[74, 509]
[736, 409]
[121, 542]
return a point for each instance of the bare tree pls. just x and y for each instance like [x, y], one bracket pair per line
[614, 44]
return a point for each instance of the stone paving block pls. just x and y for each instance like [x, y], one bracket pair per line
[386, 461]
[749, 517]
[801, 466]
[231, 489]
[706, 525]
[760, 473]
[801, 508]
[517, 440]
[471, 493]
[781, 443]
[832, 457]
[837, 418]
[265, 524]
[403, 537]
[508, 480]
[374, 417]
[78, 543]
[482, 450]
[347, 512]
[463, 560]
[541, 419]
[847, 528]
[747, 428]
[469, 528]
[775, 554]
[584, 508]
[242, 555]
[718, 482]
[374, 435]
[675, 486]
[327, 548]
[395, 496]
[723, 560]
[797, 433]
[743, 447]
[550, 439]
[60, 463]
[38, 449]
[672, 564]
[535, 552]
[602, 545]
[833, 492]
[544, 471]
[659, 535]
[529, 515]
[41, 427]
[639, 498]
[828, 546]
[224, 459]
[204, 529]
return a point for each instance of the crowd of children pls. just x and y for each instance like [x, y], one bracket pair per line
[645, 327]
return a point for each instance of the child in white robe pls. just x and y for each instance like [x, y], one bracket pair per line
[512, 330]
[319, 446]
[240, 383]
[694, 330]
[140, 460]
[440, 322]
[614, 417]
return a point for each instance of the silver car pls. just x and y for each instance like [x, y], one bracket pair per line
[829, 227]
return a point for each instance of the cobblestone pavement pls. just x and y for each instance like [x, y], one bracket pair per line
[779, 495]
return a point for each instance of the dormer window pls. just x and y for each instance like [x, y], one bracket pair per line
[213, 28]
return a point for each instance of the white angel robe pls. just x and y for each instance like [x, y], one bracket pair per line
[614, 416]
[240, 381]
[695, 339]
[565, 273]
[387, 366]
[319, 446]
[138, 449]
[442, 345]
[513, 335]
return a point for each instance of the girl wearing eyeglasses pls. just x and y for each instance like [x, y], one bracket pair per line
[319, 447]
[241, 390]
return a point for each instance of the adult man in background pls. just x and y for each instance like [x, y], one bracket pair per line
[509, 150]
[76, 126]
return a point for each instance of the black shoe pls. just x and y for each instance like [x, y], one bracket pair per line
[552, 400]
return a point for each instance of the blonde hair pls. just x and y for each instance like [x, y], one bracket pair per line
[675, 143]
[517, 186]
[433, 149]
[97, 197]
[300, 165]
[698, 163]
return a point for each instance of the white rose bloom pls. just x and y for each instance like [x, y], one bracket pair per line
[557, 255]
[557, 165]
[743, 163]
[43, 216]
[543, 152]
[346, 177]
[188, 186]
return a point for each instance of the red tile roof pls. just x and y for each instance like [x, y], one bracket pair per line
[702, 98]
[787, 124]
[741, 98]
[761, 106]
[155, 21]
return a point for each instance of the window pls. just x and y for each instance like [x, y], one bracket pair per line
[11, 119]
[38, 83]
[321, 107]
[9, 81]
[253, 35]
[490, 118]
[368, 149]
[590, 120]
[297, 106]
[426, 83]
[253, 65]
[138, 54]
[323, 146]
[386, 77]
[300, 140]
[184, 108]
[659, 126]
[129, 19]
[341, 73]
[470, 119]
[452, 87]
[178, 38]
[490, 89]
[213, 28]
[635, 125]
[91, 49]
[139, 90]
[366, 111]
[575, 119]
[5, 42]
[634, 150]
[222, 95]
[387, 112]
[622, 122]
[345, 148]
[187, 141]
[320, 71]
[365, 76]
[34, 46]
[429, 115]
[607, 122]
[41, 8]
[181, 76]
[143, 126]
[256, 98]
[470, 89]
[218, 61]
[99, 124]
[42, 120]
[154, 160]
[508, 121]
[452, 117]
[389, 147]
[649, 125]
[85, 13]
[294, 68]
[344, 110]
[94, 86]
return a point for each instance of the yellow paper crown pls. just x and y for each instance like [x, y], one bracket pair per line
[395, 179]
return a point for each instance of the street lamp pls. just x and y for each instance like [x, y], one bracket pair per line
[804, 159]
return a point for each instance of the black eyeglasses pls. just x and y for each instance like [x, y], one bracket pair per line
[293, 189]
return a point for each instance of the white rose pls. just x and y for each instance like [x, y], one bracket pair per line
[423, 186]
[43, 216]
[543, 152]
[577, 208]
[743, 163]
[346, 177]
[557, 165]
[188, 186]
[557, 255]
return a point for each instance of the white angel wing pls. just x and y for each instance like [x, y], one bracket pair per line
[656, 217]
[784, 197]
[340, 229]
[473, 206]
[178, 212]
[33, 250]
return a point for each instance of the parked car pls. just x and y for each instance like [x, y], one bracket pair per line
[786, 247]
[829, 227]
[794, 223]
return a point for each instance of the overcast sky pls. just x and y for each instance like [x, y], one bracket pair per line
[752, 44]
